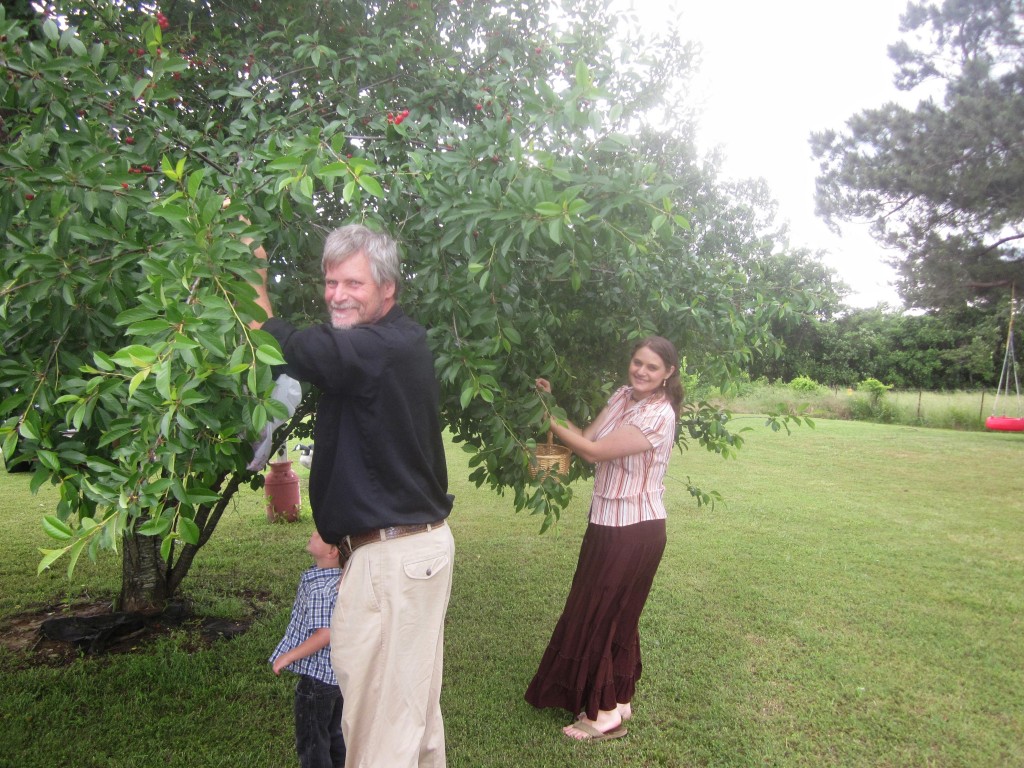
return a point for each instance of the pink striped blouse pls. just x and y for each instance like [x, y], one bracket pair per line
[629, 490]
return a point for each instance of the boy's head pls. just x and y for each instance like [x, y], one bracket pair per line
[326, 555]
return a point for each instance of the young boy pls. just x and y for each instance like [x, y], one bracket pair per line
[304, 650]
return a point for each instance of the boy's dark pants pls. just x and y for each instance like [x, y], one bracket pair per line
[318, 739]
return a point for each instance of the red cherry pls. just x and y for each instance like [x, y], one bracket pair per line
[29, 196]
[124, 185]
[129, 140]
[479, 106]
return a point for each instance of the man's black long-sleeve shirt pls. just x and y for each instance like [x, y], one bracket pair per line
[378, 457]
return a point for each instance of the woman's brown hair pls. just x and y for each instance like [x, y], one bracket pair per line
[666, 350]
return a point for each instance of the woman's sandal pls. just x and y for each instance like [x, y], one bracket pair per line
[595, 735]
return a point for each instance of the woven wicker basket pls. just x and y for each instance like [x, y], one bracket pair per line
[550, 459]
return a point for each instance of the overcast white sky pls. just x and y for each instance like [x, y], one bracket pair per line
[776, 71]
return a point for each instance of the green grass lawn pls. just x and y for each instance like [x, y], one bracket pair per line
[856, 600]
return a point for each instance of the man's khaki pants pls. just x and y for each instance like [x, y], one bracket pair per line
[387, 650]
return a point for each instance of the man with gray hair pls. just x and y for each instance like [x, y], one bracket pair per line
[378, 488]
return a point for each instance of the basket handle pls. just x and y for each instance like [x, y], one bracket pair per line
[550, 438]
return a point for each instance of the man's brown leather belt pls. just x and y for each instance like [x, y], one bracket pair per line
[350, 544]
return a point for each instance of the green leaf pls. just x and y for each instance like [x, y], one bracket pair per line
[134, 356]
[332, 170]
[371, 185]
[103, 361]
[155, 526]
[259, 417]
[76, 550]
[202, 497]
[137, 380]
[49, 556]
[48, 459]
[171, 212]
[163, 380]
[188, 531]
[285, 163]
[10, 446]
[195, 179]
[271, 355]
[184, 422]
[555, 230]
[147, 327]
[29, 428]
[582, 74]
[96, 52]
[165, 546]
[168, 169]
[56, 528]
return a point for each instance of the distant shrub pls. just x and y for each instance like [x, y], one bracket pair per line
[874, 389]
[804, 384]
[872, 409]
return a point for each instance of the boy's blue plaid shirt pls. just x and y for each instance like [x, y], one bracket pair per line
[314, 603]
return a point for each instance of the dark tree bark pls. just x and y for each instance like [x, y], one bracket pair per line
[144, 585]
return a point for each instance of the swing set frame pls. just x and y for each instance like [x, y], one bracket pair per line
[1003, 422]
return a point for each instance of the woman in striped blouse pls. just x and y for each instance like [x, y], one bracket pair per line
[592, 662]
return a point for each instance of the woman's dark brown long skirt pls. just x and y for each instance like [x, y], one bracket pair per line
[593, 659]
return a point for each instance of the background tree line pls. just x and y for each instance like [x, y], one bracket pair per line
[950, 350]
[941, 184]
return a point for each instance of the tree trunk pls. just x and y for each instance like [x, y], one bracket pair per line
[144, 584]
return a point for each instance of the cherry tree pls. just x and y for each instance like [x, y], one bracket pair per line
[546, 191]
